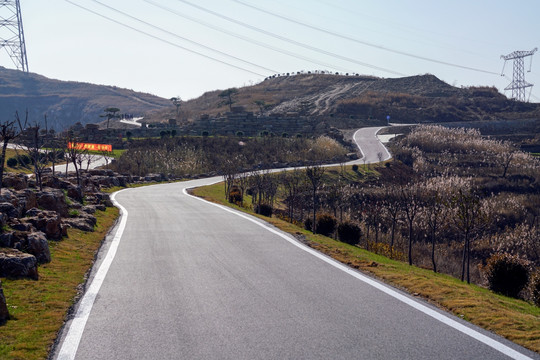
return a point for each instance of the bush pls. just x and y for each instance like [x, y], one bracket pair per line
[507, 274]
[349, 233]
[239, 133]
[24, 160]
[535, 288]
[12, 162]
[326, 224]
[264, 210]
[355, 168]
[235, 196]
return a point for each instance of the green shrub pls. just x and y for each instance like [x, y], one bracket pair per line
[535, 288]
[12, 162]
[349, 233]
[326, 224]
[24, 159]
[205, 133]
[239, 133]
[506, 274]
[264, 210]
[355, 168]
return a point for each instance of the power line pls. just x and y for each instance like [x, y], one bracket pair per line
[163, 40]
[183, 38]
[294, 42]
[362, 42]
[245, 38]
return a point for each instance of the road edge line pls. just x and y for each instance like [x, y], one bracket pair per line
[443, 318]
[71, 341]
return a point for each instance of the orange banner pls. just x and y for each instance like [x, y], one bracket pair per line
[91, 147]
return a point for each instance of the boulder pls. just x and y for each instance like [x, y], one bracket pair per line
[53, 200]
[79, 223]
[38, 246]
[48, 222]
[89, 209]
[27, 199]
[15, 181]
[4, 314]
[16, 264]
[10, 210]
[6, 240]
[75, 193]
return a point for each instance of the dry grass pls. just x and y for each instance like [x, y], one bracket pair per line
[516, 320]
[38, 308]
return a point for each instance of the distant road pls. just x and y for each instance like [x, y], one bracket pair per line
[181, 278]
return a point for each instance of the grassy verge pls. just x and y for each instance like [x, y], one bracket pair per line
[516, 320]
[38, 308]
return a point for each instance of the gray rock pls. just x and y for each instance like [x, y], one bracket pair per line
[39, 247]
[10, 210]
[53, 200]
[4, 314]
[6, 240]
[79, 223]
[48, 222]
[16, 264]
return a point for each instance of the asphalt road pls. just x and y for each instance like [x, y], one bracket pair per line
[180, 278]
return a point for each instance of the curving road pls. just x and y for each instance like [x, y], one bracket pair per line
[181, 278]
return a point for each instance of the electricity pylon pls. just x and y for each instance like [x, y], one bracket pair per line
[12, 33]
[518, 84]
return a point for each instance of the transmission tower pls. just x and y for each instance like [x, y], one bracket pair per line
[12, 34]
[518, 84]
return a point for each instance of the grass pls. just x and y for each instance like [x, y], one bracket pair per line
[516, 320]
[38, 308]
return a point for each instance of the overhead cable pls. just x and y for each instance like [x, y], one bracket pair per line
[362, 42]
[164, 40]
[294, 42]
[245, 38]
[183, 38]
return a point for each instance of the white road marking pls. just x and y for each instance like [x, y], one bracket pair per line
[382, 287]
[76, 329]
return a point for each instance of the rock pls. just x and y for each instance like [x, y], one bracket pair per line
[38, 246]
[15, 181]
[16, 264]
[10, 210]
[89, 209]
[48, 222]
[53, 200]
[4, 314]
[79, 223]
[27, 198]
[6, 240]
[75, 193]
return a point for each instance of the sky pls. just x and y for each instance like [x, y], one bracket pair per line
[184, 48]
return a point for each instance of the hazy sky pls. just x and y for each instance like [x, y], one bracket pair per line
[385, 38]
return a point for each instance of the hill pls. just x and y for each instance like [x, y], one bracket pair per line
[338, 99]
[67, 102]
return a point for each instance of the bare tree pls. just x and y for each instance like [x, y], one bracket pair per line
[9, 130]
[34, 144]
[392, 207]
[468, 218]
[314, 174]
[411, 203]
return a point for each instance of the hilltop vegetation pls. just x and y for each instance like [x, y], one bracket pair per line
[346, 101]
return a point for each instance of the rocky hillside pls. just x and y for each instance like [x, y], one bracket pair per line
[66, 103]
[422, 98]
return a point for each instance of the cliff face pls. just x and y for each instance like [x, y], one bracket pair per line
[66, 102]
